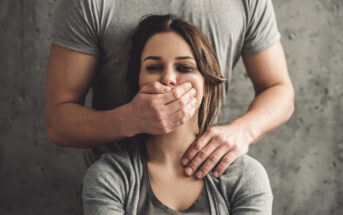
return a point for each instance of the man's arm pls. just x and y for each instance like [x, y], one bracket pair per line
[274, 94]
[70, 123]
[272, 106]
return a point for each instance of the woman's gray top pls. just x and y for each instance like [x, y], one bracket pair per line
[114, 185]
[149, 203]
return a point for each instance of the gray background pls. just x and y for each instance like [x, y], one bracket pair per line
[303, 157]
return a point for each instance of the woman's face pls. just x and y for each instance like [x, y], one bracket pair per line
[168, 58]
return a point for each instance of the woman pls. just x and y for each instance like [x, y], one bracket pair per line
[149, 179]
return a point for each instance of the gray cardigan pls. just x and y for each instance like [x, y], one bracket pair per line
[112, 186]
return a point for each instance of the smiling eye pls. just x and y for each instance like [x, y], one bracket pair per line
[185, 68]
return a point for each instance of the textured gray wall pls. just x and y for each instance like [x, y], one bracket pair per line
[303, 157]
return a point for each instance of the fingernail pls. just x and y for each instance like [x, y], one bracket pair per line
[166, 89]
[193, 111]
[184, 161]
[188, 85]
[215, 174]
[194, 101]
[193, 92]
[199, 174]
[188, 171]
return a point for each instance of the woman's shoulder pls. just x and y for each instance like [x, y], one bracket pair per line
[245, 176]
[122, 167]
[243, 166]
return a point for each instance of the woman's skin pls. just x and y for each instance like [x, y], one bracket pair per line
[168, 59]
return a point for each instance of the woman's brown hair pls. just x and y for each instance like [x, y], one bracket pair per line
[203, 52]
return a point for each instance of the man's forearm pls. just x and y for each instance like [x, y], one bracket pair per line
[270, 108]
[75, 125]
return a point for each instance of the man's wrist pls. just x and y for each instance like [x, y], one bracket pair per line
[123, 119]
[249, 127]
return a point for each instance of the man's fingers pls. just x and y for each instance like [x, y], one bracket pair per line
[225, 163]
[182, 103]
[176, 93]
[181, 116]
[211, 161]
[199, 159]
[196, 147]
[155, 88]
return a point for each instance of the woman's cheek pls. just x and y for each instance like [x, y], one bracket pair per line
[146, 78]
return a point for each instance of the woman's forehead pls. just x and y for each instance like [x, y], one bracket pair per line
[167, 45]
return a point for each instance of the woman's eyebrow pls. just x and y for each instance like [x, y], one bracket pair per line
[152, 58]
[184, 57]
[159, 58]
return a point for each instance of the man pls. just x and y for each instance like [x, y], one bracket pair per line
[90, 49]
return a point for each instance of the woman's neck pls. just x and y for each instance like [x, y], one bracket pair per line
[167, 150]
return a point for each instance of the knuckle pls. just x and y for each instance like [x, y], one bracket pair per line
[164, 127]
[220, 169]
[155, 85]
[177, 124]
[159, 117]
[182, 102]
[205, 169]
[213, 158]
[231, 145]
[226, 160]
[202, 154]
[165, 130]
[188, 156]
[176, 93]
[191, 109]
[183, 112]
[197, 146]
[222, 139]
[234, 147]
[152, 104]
[212, 131]
[193, 165]
[183, 120]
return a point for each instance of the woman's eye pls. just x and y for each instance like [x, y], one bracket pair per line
[153, 68]
[185, 68]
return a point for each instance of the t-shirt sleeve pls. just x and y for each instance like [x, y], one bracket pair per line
[104, 188]
[253, 192]
[76, 26]
[262, 31]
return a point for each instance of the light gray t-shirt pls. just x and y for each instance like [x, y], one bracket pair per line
[114, 185]
[101, 28]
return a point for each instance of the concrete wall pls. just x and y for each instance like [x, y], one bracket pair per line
[303, 157]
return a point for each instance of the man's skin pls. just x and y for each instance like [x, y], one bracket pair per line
[70, 123]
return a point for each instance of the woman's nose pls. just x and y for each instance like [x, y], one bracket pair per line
[169, 77]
